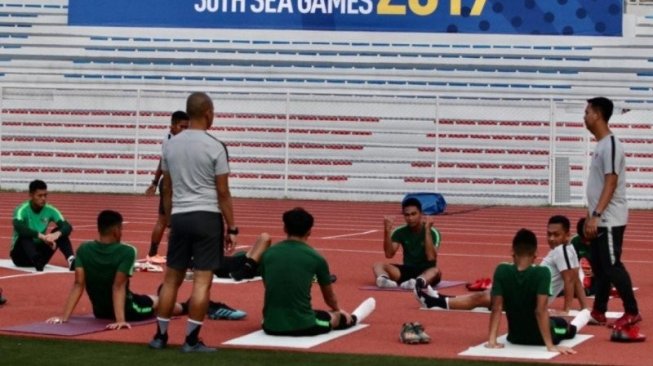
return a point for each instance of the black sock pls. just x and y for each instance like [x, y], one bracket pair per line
[342, 322]
[432, 302]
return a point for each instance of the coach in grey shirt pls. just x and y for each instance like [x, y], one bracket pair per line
[608, 215]
[196, 196]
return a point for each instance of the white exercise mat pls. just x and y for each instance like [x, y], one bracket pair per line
[7, 263]
[474, 310]
[609, 314]
[260, 339]
[520, 351]
[231, 281]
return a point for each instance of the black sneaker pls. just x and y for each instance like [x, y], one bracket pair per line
[159, 342]
[199, 347]
[2, 299]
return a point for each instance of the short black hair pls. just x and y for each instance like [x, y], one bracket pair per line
[108, 219]
[178, 116]
[580, 228]
[603, 105]
[36, 185]
[524, 243]
[411, 202]
[560, 219]
[297, 222]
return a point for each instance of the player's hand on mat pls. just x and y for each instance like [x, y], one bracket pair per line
[494, 344]
[55, 320]
[119, 325]
[562, 350]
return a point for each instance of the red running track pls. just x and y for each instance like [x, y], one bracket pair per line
[349, 235]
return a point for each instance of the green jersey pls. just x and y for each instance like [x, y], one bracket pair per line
[288, 269]
[520, 290]
[27, 222]
[101, 262]
[582, 249]
[412, 244]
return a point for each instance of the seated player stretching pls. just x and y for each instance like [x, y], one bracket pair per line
[103, 268]
[288, 269]
[419, 241]
[522, 289]
[561, 262]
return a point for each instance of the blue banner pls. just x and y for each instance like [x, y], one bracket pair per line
[550, 17]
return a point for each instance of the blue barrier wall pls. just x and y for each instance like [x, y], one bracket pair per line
[549, 17]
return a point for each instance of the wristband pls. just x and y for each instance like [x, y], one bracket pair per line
[596, 214]
[233, 231]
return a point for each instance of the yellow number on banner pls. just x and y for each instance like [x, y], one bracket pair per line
[477, 8]
[386, 8]
[456, 7]
[426, 9]
[415, 6]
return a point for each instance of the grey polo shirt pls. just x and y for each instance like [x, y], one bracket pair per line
[608, 158]
[194, 159]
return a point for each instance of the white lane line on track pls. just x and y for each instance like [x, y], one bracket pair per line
[348, 235]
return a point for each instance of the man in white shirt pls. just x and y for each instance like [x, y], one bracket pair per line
[608, 215]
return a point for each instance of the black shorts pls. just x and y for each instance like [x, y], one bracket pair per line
[138, 307]
[230, 264]
[322, 326]
[196, 240]
[560, 329]
[408, 272]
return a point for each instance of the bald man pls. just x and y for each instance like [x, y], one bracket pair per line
[196, 165]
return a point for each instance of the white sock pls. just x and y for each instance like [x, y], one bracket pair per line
[364, 309]
[446, 300]
[581, 319]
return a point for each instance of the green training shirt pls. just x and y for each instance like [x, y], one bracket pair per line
[101, 262]
[288, 269]
[520, 290]
[582, 249]
[412, 244]
[26, 222]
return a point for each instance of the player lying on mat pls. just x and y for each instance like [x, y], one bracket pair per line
[419, 250]
[561, 261]
[103, 268]
[288, 269]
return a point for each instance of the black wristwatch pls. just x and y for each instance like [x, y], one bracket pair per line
[233, 231]
[596, 214]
